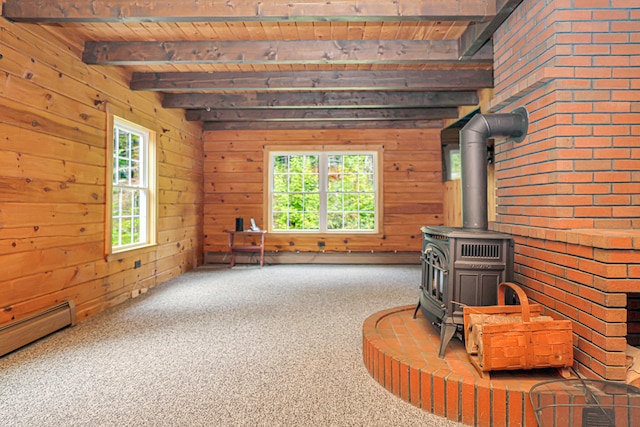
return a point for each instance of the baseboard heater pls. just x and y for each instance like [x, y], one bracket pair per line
[25, 331]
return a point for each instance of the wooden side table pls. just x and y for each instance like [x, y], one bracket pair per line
[245, 245]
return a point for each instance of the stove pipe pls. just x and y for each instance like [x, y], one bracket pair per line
[473, 154]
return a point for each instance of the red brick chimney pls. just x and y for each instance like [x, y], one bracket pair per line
[570, 192]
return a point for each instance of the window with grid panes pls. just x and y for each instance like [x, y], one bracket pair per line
[323, 192]
[132, 221]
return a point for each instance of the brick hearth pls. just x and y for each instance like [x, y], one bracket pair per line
[401, 353]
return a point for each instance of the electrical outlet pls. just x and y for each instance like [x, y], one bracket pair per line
[320, 244]
[137, 264]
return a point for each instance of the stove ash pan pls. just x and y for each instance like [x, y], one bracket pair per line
[461, 267]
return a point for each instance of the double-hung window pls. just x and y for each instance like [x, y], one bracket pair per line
[324, 191]
[132, 187]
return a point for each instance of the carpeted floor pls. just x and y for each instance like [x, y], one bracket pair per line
[278, 346]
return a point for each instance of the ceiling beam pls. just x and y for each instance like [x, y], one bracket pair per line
[275, 52]
[322, 114]
[247, 10]
[319, 100]
[314, 80]
[352, 124]
[478, 34]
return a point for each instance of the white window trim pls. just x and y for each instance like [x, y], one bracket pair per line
[149, 177]
[324, 151]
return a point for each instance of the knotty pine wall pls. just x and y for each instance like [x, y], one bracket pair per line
[234, 168]
[52, 179]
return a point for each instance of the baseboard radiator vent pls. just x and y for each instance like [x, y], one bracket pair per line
[25, 331]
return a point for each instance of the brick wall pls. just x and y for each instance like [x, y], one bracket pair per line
[570, 193]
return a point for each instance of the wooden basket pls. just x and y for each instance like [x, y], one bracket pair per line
[510, 339]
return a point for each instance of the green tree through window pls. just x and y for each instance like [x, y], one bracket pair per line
[323, 192]
[130, 195]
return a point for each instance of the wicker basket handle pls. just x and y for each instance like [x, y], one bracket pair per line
[522, 297]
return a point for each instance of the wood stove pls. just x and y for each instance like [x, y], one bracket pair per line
[464, 266]
[461, 267]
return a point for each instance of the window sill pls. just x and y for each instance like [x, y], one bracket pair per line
[327, 234]
[131, 252]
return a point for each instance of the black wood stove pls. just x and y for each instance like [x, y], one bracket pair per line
[461, 267]
[464, 266]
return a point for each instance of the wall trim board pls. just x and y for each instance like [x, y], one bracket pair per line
[376, 258]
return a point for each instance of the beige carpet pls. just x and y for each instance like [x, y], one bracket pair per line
[278, 346]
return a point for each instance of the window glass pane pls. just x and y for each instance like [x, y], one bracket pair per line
[456, 164]
[296, 203]
[311, 221]
[350, 182]
[280, 220]
[334, 202]
[367, 202]
[135, 174]
[122, 171]
[363, 164]
[311, 182]
[295, 183]
[351, 163]
[126, 235]
[135, 147]
[312, 203]
[280, 182]
[280, 203]
[335, 164]
[116, 232]
[295, 221]
[311, 164]
[334, 182]
[115, 202]
[126, 203]
[334, 221]
[367, 221]
[135, 235]
[351, 221]
[123, 143]
[281, 164]
[296, 164]
[136, 203]
[351, 202]
[366, 183]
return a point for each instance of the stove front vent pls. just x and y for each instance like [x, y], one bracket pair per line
[478, 250]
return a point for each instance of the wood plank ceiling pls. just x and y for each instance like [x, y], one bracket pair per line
[295, 64]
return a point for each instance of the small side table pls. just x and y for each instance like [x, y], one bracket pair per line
[246, 246]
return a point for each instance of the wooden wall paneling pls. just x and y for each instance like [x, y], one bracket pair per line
[452, 203]
[52, 164]
[17, 264]
[12, 292]
[28, 141]
[21, 115]
[234, 181]
[23, 239]
[81, 81]
[43, 190]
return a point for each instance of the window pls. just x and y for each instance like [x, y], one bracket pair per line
[456, 167]
[323, 191]
[452, 166]
[132, 186]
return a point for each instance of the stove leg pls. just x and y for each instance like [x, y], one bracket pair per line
[447, 331]
[415, 313]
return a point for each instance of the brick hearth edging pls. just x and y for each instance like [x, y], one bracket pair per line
[401, 353]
